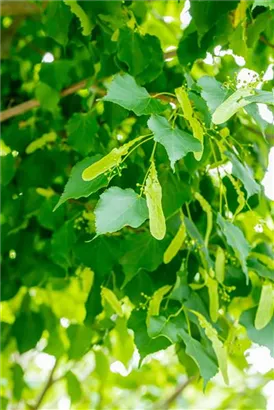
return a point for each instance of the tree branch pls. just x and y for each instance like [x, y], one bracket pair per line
[165, 404]
[48, 384]
[29, 105]
[265, 41]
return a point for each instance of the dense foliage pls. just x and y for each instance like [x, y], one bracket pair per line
[133, 212]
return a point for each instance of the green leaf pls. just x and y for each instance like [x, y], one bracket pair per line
[80, 341]
[142, 251]
[144, 344]
[73, 387]
[122, 342]
[27, 330]
[261, 97]
[142, 54]
[85, 22]
[207, 13]
[18, 381]
[76, 187]
[56, 21]
[244, 174]
[47, 218]
[56, 74]
[125, 207]
[212, 92]
[61, 245]
[81, 130]
[235, 238]
[231, 105]
[218, 347]
[8, 169]
[176, 142]
[100, 255]
[260, 269]
[138, 100]
[196, 350]
[263, 337]
[47, 96]
[190, 49]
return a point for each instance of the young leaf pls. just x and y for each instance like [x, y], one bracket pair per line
[212, 286]
[125, 208]
[111, 298]
[218, 347]
[231, 105]
[176, 243]
[76, 187]
[153, 192]
[137, 100]
[220, 265]
[266, 306]
[177, 143]
[235, 238]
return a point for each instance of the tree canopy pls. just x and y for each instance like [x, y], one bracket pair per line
[134, 220]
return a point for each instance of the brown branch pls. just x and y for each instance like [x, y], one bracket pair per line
[29, 105]
[265, 41]
[48, 384]
[18, 8]
[165, 404]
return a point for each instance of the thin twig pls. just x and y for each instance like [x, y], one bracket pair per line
[48, 384]
[29, 105]
[265, 41]
[165, 404]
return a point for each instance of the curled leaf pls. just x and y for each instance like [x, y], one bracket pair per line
[266, 306]
[176, 243]
[153, 191]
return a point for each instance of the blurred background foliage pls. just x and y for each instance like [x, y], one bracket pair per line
[63, 346]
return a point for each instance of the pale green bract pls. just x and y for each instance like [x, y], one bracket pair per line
[266, 306]
[231, 105]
